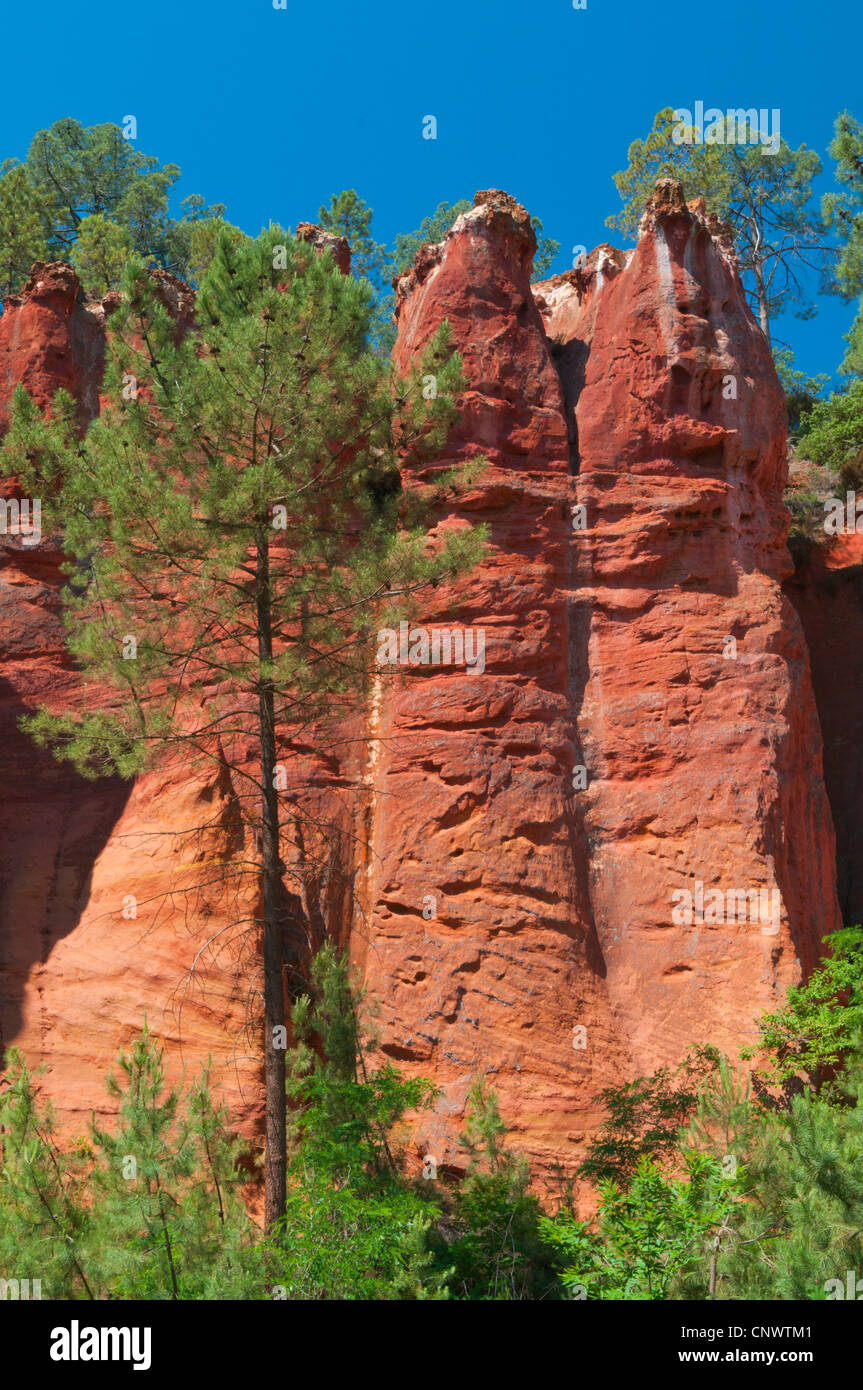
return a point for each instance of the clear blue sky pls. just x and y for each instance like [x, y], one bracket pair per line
[270, 111]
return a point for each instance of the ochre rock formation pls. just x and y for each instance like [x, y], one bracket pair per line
[50, 340]
[322, 240]
[606, 649]
[635, 719]
[704, 753]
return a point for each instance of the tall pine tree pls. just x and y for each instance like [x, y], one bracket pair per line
[236, 525]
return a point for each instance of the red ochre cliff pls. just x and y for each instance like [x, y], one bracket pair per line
[628, 718]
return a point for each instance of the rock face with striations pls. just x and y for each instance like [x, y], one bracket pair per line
[695, 711]
[612, 712]
[644, 726]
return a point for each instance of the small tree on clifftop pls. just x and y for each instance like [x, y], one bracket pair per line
[764, 197]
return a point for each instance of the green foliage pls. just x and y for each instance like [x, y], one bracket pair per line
[39, 449]
[340, 1243]
[800, 1219]
[819, 1189]
[852, 362]
[778, 1211]
[546, 250]
[81, 171]
[148, 1208]
[88, 195]
[182, 479]
[346, 1112]
[349, 216]
[765, 199]
[498, 1251]
[831, 433]
[197, 239]
[100, 253]
[166, 1187]
[644, 1117]
[23, 235]
[779, 238]
[700, 168]
[353, 1227]
[645, 1237]
[44, 1227]
[235, 523]
[802, 392]
[753, 1201]
[815, 1030]
[843, 212]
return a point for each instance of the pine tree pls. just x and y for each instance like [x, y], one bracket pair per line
[700, 169]
[765, 199]
[22, 228]
[194, 242]
[96, 170]
[72, 173]
[100, 253]
[235, 522]
[843, 212]
[354, 1226]
[44, 1224]
[349, 216]
[498, 1251]
[800, 1223]
[168, 1222]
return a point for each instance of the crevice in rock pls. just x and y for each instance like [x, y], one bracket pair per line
[570, 363]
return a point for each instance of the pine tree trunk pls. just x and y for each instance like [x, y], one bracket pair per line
[761, 296]
[274, 1005]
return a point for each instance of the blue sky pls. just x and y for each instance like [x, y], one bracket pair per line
[270, 111]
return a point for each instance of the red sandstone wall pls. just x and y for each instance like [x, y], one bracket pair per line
[605, 648]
